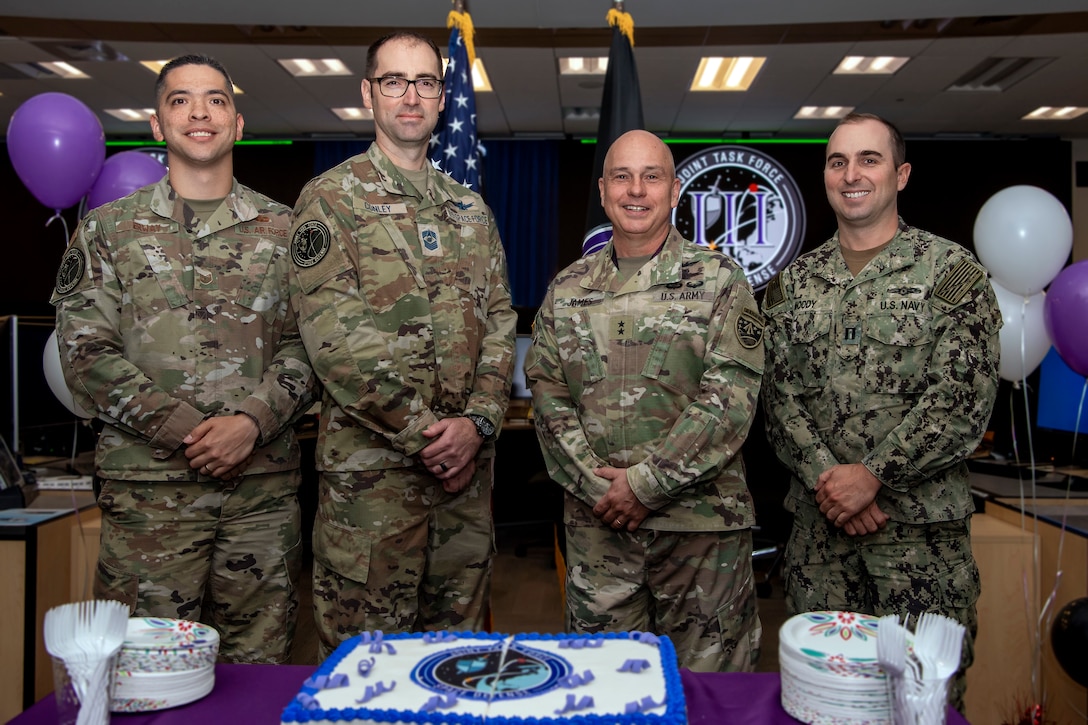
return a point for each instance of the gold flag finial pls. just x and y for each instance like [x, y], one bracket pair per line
[619, 18]
[460, 19]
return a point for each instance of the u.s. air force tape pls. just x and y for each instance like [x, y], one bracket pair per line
[72, 267]
[311, 243]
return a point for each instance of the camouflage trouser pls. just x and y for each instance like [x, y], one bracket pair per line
[695, 587]
[393, 551]
[902, 569]
[204, 551]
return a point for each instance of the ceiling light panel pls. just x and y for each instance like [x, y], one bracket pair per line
[1055, 113]
[354, 114]
[314, 67]
[130, 114]
[726, 74]
[816, 113]
[583, 66]
[870, 65]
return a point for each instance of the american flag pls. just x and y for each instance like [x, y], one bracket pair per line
[453, 146]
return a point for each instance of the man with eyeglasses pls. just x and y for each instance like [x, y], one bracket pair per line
[404, 307]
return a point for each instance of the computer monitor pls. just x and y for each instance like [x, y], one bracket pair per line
[520, 388]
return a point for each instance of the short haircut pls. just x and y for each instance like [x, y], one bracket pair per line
[193, 59]
[899, 146]
[411, 36]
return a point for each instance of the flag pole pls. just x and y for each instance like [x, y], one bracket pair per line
[621, 111]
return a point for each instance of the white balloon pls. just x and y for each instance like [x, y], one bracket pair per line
[1024, 337]
[55, 378]
[1023, 235]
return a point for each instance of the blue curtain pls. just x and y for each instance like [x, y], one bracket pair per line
[521, 185]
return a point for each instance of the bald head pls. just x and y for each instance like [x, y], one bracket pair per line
[639, 190]
[646, 143]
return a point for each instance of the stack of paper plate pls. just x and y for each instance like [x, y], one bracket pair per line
[830, 674]
[164, 663]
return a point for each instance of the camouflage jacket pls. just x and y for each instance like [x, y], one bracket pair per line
[404, 306]
[895, 368]
[659, 375]
[164, 320]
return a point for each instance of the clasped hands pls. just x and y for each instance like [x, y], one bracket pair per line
[846, 494]
[222, 446]
[451, 455]
[619, 507]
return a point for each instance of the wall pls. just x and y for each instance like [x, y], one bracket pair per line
[1080, 201]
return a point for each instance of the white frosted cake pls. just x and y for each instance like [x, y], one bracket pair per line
[628, 678]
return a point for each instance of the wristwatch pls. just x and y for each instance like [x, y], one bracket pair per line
[484, 427]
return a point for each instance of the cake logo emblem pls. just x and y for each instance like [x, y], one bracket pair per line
[482, 672]
[743, 203]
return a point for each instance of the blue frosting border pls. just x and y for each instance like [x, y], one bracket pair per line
[675, 713]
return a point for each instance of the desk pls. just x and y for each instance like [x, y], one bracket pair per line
[37, 572]
[257, 694]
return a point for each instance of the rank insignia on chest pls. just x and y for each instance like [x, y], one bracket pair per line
[429, 240]
[851, 333]
[621, 327]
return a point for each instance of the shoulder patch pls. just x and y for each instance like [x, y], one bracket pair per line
[774, 295]
[958, 281]
[749, 328]
[310, 243]
[72, 267]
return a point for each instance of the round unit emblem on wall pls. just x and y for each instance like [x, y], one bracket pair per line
[744, 203]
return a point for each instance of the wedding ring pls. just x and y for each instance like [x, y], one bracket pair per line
[618, 521]
[443, 466]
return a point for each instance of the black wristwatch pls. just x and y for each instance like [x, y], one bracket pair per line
[484, 427]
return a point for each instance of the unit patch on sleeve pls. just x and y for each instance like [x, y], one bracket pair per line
[958, 282]
[310, 244]
[749, 328]
[72, 267]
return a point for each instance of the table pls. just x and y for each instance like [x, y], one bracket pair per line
[258, 693]
[41, 561]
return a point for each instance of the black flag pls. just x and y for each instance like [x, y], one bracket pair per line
[621, 111]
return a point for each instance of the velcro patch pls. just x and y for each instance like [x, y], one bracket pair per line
[311, 243]
[430, 240]
[749, 328]
[958, 282]
[72, 266]
[775, 294]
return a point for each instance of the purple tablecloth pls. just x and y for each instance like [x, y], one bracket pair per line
[257, 694]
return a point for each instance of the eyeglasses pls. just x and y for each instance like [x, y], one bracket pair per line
[395, 86]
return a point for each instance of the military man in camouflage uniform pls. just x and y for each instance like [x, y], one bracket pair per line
[645, 369]
[883, 346]
[175, 329]
[404, 307]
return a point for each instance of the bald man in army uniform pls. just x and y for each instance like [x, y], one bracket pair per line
[882, 347]
[645, 370]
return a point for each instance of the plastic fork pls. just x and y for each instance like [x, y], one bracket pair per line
[938, 640]
[87, 636]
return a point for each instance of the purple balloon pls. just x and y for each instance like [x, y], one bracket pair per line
[57, 146]
[123, 174]
[1064, 313]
